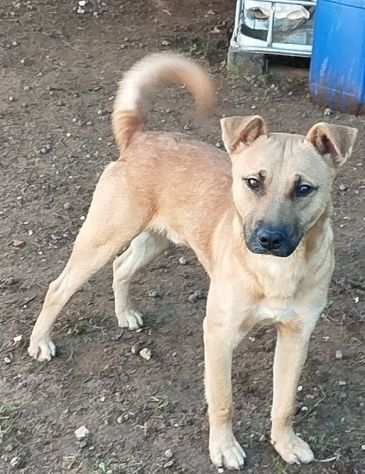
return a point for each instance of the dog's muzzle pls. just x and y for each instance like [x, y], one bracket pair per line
[273, 240]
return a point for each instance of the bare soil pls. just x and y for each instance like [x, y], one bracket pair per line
[59, 71]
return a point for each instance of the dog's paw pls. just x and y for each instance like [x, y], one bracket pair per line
[293, 449]
[130, 319]
[42, 349]
[227, 453]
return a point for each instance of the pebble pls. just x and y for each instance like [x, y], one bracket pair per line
[169, 464]
[82, 433]
[363, 447]
[165, 43]
[300, 388]
[120, 419]
[145, 353]
[154, 294]
[342, 187]
[18, 243]
[7, 360]
[327, 112]
[168, 454]
[18, 338]
[339, 355]
[45, 149]
[194, 297]
[182, 261]
[16, 462]
[11, 98]
[67, 206]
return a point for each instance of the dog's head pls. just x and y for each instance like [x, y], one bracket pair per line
[282, 182]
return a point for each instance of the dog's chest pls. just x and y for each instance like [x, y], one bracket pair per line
[278, 282]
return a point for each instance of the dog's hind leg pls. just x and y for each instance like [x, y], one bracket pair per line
[111, 224]
[142, 250]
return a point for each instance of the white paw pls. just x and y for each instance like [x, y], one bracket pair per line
[293, 449]
[42, 349]
[130, 319]
[226, 452]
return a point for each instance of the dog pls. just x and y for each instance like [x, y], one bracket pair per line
[259, 223]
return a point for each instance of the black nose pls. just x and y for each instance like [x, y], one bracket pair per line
[270, 239]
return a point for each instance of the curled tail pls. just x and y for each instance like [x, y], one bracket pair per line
[127, 115]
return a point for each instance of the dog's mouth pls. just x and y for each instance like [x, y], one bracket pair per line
[270, 240]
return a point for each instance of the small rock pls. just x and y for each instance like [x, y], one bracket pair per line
[220, 470]
[304, 408]
[165, 43]
[11, 98]
[300, 388]
[339, 355]
[342, 187]
[363, 447]
[82, 433]
[168, 454]
[169, 464]
[134, 349]
[18, 338]
[16, 462]
[7, 360]
[342, 383]
[194, 297]
[18, 243]
[327, 112]
[67, 206]
[154, 294]
[45, 149]
[145, 353]
[182, 261]
[120, 419]
[83, 443]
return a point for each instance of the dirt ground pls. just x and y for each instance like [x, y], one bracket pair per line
[59, 71]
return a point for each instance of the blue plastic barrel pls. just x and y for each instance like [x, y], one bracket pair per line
[337, 70]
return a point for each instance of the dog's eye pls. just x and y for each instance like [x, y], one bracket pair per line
[303, 190]
[254, 184]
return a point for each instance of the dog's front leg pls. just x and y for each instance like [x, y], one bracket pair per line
[219, 342]
[290, 355]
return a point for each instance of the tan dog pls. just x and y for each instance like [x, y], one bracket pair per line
[260, 227]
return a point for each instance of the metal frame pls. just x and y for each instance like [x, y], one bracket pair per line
[286, 49]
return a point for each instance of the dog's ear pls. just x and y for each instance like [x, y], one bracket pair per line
[240, 132]
[336, 141]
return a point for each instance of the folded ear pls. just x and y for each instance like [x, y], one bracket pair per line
[336, 141]
[240, 132]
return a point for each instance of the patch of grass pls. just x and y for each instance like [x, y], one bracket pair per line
[103, 468]
[6, 418]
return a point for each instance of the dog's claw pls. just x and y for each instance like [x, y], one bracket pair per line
[228, 454]
[293, 449]
[42, 350]
[130, 319]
